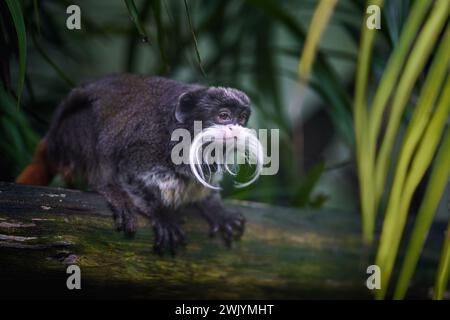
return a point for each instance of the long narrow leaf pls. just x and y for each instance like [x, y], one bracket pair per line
[436, 186]
[156, 8]
[197, 52]
[443, 269]
[37, 19]
[17, 16]
[416, 62]
[391, 74]
[134, 14]
[55, 67]
[361, 135]
[318, 25]
[302, 195]
[416, 127]
[395, 219]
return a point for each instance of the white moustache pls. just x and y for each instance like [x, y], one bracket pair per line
[238, 142]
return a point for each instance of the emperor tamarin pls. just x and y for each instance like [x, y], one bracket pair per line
[116, 132]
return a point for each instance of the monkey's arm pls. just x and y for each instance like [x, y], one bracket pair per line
[228, 222]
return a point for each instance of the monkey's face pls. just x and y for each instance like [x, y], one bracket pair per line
[214, 106]
[224, 141]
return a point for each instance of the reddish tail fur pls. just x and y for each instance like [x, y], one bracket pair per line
[38, 172]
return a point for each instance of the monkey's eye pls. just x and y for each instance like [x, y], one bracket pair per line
[224, 116]
[242, 119]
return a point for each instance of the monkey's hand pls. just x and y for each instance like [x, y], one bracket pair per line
[227, 222]
[230, 224]
[168, 235]
[125, 220]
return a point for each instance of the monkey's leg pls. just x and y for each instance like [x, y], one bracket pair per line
[164, 219]
[230, 223]
[124, 212]
[168, 233]
[152, 189]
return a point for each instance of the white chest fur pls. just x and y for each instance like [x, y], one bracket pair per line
[176, 192]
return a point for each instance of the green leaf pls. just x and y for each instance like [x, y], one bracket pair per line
[365, 159]
[396, 214]
[394, 67]
[17, 16]
[156, 8]
[302, 195]
[134, 15]
[414, 133]
[435, 189]
[70, 83]
[37, 16]
[443, 269]
[414, 66]
[197, 52]
[319, 22]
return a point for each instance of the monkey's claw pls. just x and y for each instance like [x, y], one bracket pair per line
[125, 222]
[230, 226]
[167, 238]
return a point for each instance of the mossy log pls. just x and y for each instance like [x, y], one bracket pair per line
[285, 253]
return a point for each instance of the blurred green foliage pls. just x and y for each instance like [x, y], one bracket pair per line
[380, 115]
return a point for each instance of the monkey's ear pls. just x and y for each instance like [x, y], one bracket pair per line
[186, 102]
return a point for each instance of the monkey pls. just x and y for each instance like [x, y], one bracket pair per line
[116, 132]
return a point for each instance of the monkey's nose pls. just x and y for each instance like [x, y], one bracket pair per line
[229, 134]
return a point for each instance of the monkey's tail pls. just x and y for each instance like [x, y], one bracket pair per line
[39, 171]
